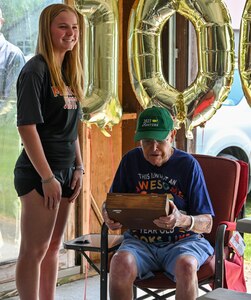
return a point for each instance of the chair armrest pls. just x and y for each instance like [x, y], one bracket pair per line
[219, 251]
[244, 225]
[219, 255]
[231, 226]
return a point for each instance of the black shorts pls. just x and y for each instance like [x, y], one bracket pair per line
[27, 179]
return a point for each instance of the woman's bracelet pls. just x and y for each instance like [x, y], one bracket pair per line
[80, 168]
[192, 224]
[48, 180]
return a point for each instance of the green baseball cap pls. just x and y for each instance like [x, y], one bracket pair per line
[154, 123]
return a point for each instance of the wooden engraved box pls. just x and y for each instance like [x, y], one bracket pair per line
[137, 211]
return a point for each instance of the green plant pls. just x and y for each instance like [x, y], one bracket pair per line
[9, 150]
[247, 237]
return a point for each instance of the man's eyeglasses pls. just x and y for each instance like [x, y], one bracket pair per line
[148, 142]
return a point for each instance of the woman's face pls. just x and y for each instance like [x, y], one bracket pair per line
[64, 32]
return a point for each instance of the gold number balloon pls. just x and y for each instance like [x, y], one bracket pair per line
[197, 103]
[101, 105]
[245, 51]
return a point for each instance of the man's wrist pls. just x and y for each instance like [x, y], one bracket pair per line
[191, 225]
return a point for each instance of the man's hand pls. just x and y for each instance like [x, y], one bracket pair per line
[112, 225]
[174, 219]
[200, 224]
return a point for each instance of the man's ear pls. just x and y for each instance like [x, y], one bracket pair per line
[173, 134]
[1, 22]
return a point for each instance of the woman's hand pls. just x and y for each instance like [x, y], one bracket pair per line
[52, 193]
[34, 149]
[76, 184]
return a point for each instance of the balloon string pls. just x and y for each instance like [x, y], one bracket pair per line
[113, 171]
[86, 263]
[86, 277]
[112, 157]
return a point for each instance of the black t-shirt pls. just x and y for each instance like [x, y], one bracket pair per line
[56, 116]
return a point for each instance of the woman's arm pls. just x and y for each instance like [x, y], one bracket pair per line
[78, 161]
[34, 150]
[77, 179]
[33, 147]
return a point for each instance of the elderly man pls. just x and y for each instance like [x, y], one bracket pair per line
[11, 62]
[178, 247]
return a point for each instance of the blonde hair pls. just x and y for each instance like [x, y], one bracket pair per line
[73, 72]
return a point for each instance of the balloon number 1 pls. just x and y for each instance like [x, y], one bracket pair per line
[193, 106]
[101, 105]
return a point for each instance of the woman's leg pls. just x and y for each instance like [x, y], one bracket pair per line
[37, 224]
[49, 265]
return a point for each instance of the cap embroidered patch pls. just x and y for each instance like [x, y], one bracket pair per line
[154, 123]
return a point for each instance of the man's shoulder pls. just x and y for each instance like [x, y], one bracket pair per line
[183, 154]
[13, 49]
[184, 158]
[133, 156]
[134, 152]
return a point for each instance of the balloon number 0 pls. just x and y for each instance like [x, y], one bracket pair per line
[197, 103]
[193, 106]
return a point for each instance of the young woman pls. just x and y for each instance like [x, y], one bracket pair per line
[48, 172]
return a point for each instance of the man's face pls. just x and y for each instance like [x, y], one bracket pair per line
[158, 152]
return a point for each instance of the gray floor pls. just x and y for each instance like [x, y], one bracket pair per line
[88, 289]
[80, 290]
[77, 290]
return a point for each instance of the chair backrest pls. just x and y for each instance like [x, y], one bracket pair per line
[243, 187]
[222, 177]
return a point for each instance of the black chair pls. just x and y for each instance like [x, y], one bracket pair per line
[101, 243]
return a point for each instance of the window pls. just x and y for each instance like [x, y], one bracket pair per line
[18, 35]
